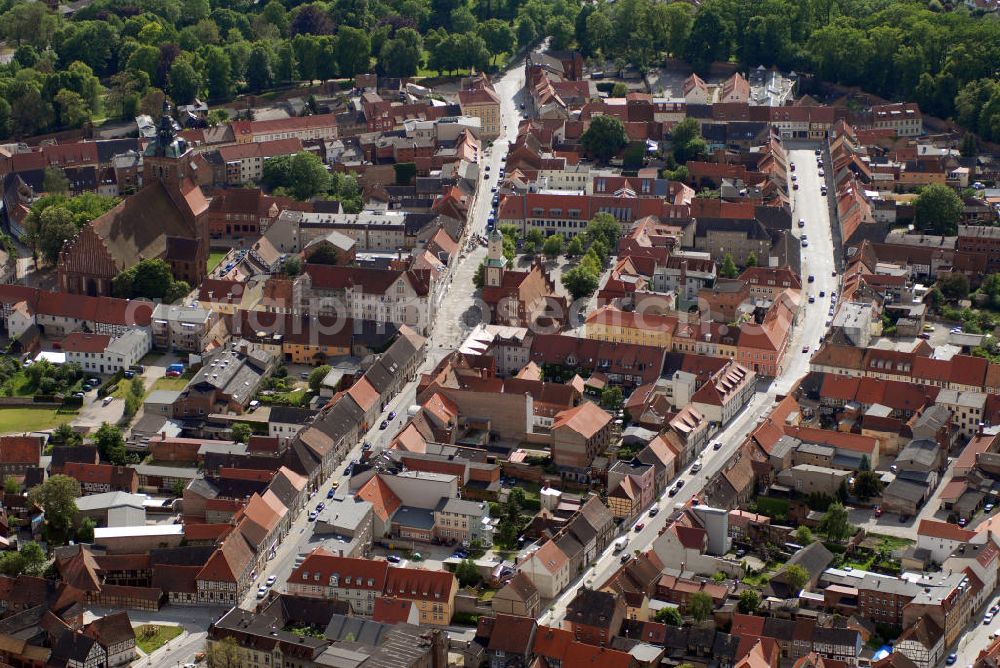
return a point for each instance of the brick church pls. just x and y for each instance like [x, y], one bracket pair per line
[165, 219]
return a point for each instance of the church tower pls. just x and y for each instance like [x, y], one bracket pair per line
[495, 261]
[165, 158]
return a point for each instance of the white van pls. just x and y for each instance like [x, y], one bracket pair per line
[696, 466]
[621, 544]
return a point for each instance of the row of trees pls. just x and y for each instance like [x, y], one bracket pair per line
[186, 48]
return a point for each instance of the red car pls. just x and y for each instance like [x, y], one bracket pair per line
[640, 526]
[878, 511]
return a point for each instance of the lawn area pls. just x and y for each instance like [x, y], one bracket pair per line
[165, 383]
[32, 419]
[20, 385]
[214, 258]
[151, 637]
[773, 508]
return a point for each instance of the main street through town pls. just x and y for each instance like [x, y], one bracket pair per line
[818, 259]
[457, 313]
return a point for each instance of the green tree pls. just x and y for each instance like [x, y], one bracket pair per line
[709, 39]
[611, 398]
[603, 229]
[953, 285]
[867, 484]
[29, 560]
[293, 266]
[57, 497]
[184, 81]
[241, 432]
[752, 259]
[260, 71]
[937, 210]
[178, 488]
[865, 464]
[111, 444]
[498, 36]
[65, 435]
[575, 246]
[303, 175]
[728, 268]
[354, 49]
[317, 375]
[749, 601]
[54, 181]
[223, 653]
[479, 278]
[71, 110]
[796, 577]
[403, 55]
[553, 245]
[218, 73]
[55, 227]
[85, 533]
[560, 31]
[836, 523]
[468, 573]
[604, 138]
[619, 90]
[803, 535]
[149, 279]
[669, 616]
[580, 282]
[325, 254]
[700, 606]
[11, 485]
[686, 141]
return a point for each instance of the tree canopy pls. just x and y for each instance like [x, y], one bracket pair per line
[937, 210]
[150, 279]
[57, 497]
[605, 138]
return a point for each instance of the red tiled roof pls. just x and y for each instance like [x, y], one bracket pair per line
[351, 573]
[420, 585]
[580, 654]
[20, 450]
[946, 530]
[552, 642]
[391, 610]
[586, 419]
[380, 495]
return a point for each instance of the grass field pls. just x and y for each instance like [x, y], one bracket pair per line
[169, 383]
[214, 258]
[32, 419]
[151, 637]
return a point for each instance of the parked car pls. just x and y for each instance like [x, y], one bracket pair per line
[952, 658]
[625, 558]
[802, 222]
[261, 592]
[878, 511]
[672, 492]
[129, 374]
[696, 466]
[812, 299]
[392, 415]
[640, 526]
[271, 579]
[654, 511]
[812, 278]
[313, 515]
[107, 400]
[988, 508]
[385, 423]
[393, 559]
[717, 445]
[330, 494]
